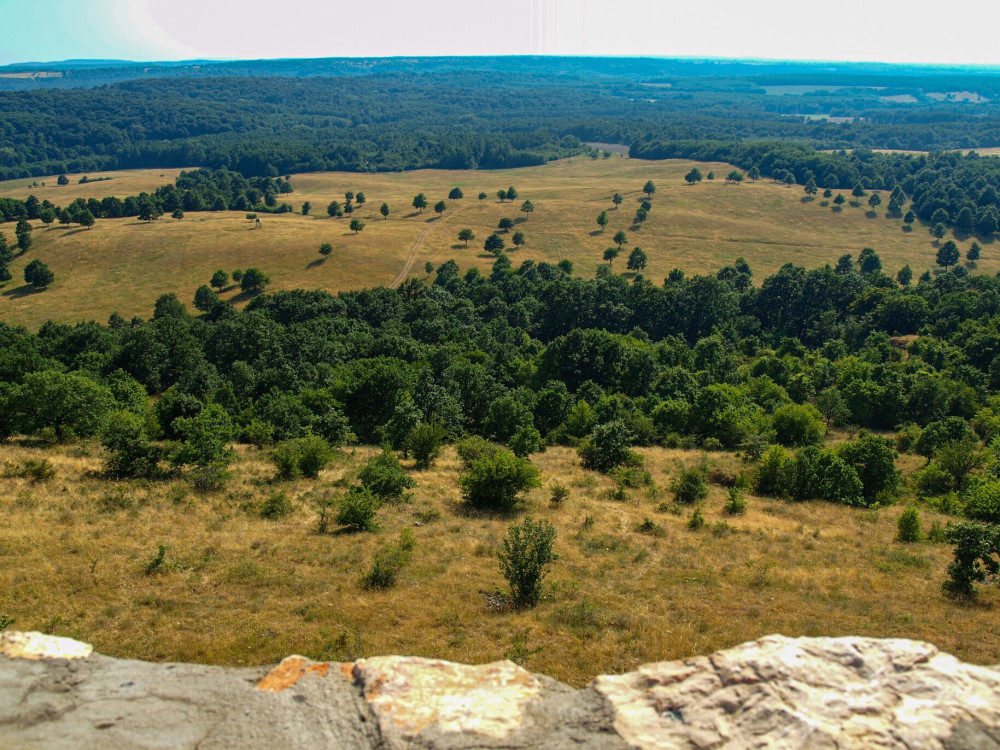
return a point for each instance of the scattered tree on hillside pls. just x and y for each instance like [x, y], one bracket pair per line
[910, 218]
[649, 188]
[620, 238]
[494, 244]
[219, 279]
[905, 275]
[505, 224]
[693, 176]
[205, 299]
[517, 238]
[38, 274]
[357, 225]
[325, 249]
[839, 200]
[710, 176]
[62, 180]
[972, 254]
[334, 209]
[360, 199]
[602, 219]
[947, 254]
[86, 219]
[502, 195]
[641, 214]
[735, 177]
[617, 199]
[810, 187]
[306, 207]
[177, 214]
[938, 231]
[465, 235]
[637, 259]
[455, 194]
[610, 254]
[511, 193]
[874, 201]
[753, 173]
[420, 202]
[858, 192]
[527, 208]
[384, 210]
[440, 207]
[253, 280]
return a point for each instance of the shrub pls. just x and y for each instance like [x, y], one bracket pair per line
[35, 470]
[525, 441]
[736, 504]
[712, 444]
[357, 510]
[798, 424]
[933, 480]
[495, 482]
[559, 495]
[130, 453]
[524, 559]
[384, 476]
[389, 561]
[690, 486]
[775, 474]
[906, 437]
[908, 526]
[608, 446]
[982, 501]
[302, 457]
[425, 442]
[475, 447]
[207, 479]
[696, 520]
[937, 434]
[276, 506]
[874, 460]
[975, 547]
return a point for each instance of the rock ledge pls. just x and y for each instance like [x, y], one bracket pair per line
[775, 692]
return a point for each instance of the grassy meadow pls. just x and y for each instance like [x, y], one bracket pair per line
[124, 265]
[235, 588]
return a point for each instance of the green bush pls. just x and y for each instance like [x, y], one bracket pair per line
[496, 482]
[385, 477]
[358, 509]
[908, 526]
[982, 501]
[736, 504]
[525, 441]
[301, 457]
[976, 545]
[798, 424]
[389, 562]
[558, 495]
[775, 474]
[524, 559]
[933, 480]
[425, 442]
[129, 452]
[608, 446]
[696, 520]
[690, 486]
[276, 506]
[906, 437]
[474, 447]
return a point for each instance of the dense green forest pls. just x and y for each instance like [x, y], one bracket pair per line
[266, 119]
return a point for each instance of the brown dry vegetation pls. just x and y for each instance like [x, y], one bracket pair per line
[238, 589]
[125, 264]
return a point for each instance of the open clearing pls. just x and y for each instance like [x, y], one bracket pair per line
[238, 589]
[124, 265]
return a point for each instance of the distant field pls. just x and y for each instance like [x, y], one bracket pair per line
[125, 264]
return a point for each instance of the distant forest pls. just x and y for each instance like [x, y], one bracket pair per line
[265, 119]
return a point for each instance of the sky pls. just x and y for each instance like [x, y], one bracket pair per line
[959, 31]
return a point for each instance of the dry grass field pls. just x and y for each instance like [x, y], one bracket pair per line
[126, 264]
[239, 589]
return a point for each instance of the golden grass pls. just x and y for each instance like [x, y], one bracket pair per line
[125, 264]
[240, 590]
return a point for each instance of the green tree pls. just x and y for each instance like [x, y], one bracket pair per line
[874, 201]
[640, 215]
[874, 460]
[384, 210]
[129, 451]
[693, 176]
[68, 404]
[306, 208]
[333, 209]
[465, 235]
[325, 249]
[455, 194]
[360, 199]
[253, 280]
[839, 200]
[511, 193]
[357, 225]
[798, 425]
[972, 254]
[602, 219]
[494, 244]
[905, 275]
[38, 274]
[517, 238]
[609, 446]
[358, 510]
[753, 173]
[858, 191]
[649, 188]
[610, 254]
[177, 214]
[617, 199]
[908, 526]
[420, 202]
[620, 238]
[205, 299]
[385, 478]
[502, 195]
[735, 177]
[938, 231]
[637, 259]
[527, 208]
[205, 438]
[440, 207]
[86, 219]
[425, 442]
[910, 218]
[219, 279]
[810, 187]
[975, 557]
[301, 457]
[525, 557]
[506, 224]
[495, 481]
[62, 180]
[948, 254]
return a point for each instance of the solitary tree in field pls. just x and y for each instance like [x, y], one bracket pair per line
[502, 195]
[839, 200]
[511, 193]
[710, 176]
[494, 244]
[62, 180]
[357, 225]
[602, 219]
[858, 192]
[238, 276]
[693, 176]
[360, 199]
[828, 193]
[789, 178]
[527, 208]
[348, 197]
[938, 231]
[735, 177]
[517, 238]
[439, 207]
[86, 219]
[465, 235]
[874, 201]
[325, 249]
[610, 254]
[219, 279]
[38, 274]
[505, 224]
[306, 208]
[455, 194]
[384, 210]
[649, 188]
[909, 219]
[253, 280]
[177, 214]
[641, 214]
[334, 209]
[810, 187]
[972, 255]
[620, 238]
[617, 199]
[753, 173]
[420, 202]
[947, 254]
[204, 298]
[637, 259]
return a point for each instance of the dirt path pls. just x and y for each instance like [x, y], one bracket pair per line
[416, 246]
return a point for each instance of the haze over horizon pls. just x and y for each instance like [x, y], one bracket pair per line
[157, 30]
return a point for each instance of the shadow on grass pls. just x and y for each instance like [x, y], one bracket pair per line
[73, 231]
[459, 246]
[837, 209]
[317, 262]
[597, 233]
[429, 219]
[25, 290]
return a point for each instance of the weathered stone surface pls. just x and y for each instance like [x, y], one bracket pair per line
[776, 692]
[808, 692]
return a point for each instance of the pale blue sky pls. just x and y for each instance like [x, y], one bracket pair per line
[959, 31]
